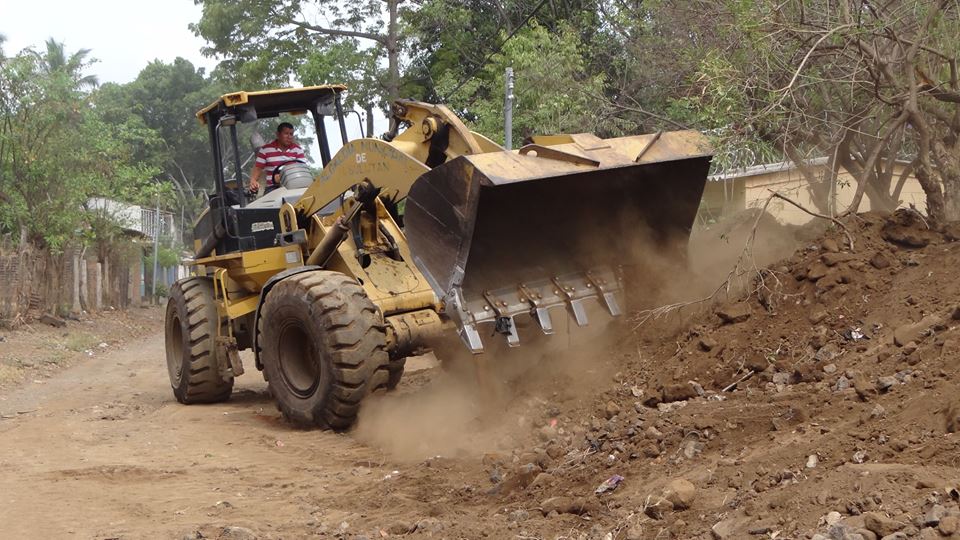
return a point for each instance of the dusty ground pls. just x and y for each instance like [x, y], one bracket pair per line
[823, 403]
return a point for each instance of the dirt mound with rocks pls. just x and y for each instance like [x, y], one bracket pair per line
[821, 404]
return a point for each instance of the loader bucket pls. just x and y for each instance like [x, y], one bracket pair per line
[547, 228]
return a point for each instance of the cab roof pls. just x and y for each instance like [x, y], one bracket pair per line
[270, 103]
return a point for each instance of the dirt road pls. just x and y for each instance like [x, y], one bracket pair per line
[102, 451]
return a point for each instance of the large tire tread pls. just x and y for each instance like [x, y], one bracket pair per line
[352, 337]
[193, 306]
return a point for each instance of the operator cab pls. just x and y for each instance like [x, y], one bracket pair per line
[231, 223]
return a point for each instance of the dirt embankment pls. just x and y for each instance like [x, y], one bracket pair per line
[35, 351]
[823, 402]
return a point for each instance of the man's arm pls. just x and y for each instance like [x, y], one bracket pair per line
[255, 175]
[257, 172]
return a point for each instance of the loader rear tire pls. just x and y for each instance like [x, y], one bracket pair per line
[323, 345]
[191, 331]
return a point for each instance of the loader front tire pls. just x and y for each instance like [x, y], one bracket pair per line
[191, 331]
[322, 342]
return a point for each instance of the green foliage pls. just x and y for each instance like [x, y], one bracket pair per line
[263, 43]
[165, 256]
[56, 149]
[552, 93]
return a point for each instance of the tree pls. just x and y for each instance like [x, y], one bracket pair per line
[156, 111]
[552, 93]
[261, 42]
[56, 152]
[863, 84]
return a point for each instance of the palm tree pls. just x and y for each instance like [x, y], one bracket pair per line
[56, 61]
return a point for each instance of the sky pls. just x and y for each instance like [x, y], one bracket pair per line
[123, 35]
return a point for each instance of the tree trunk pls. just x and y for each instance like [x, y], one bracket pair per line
[76, 283]
[819, 187]
[948, 164]
[369, 110]
[98, 281]
[393, 53]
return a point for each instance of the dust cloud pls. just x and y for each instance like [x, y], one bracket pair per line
[454, 414]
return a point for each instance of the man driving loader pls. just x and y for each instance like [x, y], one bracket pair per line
[281, 150]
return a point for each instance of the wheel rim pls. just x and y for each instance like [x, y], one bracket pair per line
[175, 350]
[298, 365]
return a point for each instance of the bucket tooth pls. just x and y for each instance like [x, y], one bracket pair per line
[579, 313]
[607, 297]
[575, 303]
[543, 319]
[539, 312]
[470, 336]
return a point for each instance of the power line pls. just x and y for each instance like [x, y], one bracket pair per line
[496, 50]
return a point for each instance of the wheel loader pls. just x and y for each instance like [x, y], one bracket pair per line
[432, 237]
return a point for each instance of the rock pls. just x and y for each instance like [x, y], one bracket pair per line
[542, 480]
[829, 351]
[929, 534]
[611, 410]
[933, 516]
[678, 392]
[429, 525]
[884, 384]
[812, 461]
[781, 379]
[880, 261]
[955, 314]
[880, 524]
[734, 313]
[656, 508]
[949, 525]
[878, 412]
[830, 245]
[518, 515]
[832, 518]
[724, 529]
[565, 505]
[842, 384]
[906, 236]
[832, 259]
[559, 505]
[864, 390]
[681, 493]
[401, 527]
[830, 368]
[520, 478]
[817, 314]
[896, 536]
[817, 271]
[706, 344]
[906, 333]
[236, 533]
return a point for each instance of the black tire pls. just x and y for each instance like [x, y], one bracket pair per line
[191, 331]
[394, 372]
[323, 345]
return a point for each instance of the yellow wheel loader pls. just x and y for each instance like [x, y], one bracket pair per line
[403, 244]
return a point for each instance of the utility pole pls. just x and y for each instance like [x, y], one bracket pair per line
[156, 250]
[508, 111]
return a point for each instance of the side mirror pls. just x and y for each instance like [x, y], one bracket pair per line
[256, 141]
[325, 108]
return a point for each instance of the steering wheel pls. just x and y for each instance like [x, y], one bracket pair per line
[276, 170]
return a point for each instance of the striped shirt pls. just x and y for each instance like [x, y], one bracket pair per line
[271, 155]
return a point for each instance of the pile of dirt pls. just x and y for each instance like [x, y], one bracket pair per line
[820, 404]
